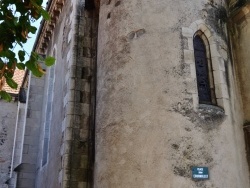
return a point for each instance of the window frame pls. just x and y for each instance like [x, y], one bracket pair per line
[219, 57]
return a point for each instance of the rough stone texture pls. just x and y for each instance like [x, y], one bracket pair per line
[148, 131]
[150, 127]
[49, 171]
[8, 112]
[74, 47]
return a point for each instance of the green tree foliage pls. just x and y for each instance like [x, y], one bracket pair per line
[17, 19]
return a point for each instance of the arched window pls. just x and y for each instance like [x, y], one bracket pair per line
[203, 65]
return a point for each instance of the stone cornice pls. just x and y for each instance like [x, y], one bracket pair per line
[47, 27]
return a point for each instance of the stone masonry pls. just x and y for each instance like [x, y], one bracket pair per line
[8, 113]
[120, 108]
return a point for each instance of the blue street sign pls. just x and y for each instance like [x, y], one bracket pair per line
[200, 173]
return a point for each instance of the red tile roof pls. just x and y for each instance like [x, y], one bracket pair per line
[18, 78]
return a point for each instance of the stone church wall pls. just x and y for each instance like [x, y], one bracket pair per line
[139, 77]
[150, 127]
[53, 129]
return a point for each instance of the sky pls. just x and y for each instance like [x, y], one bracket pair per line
[30, 42]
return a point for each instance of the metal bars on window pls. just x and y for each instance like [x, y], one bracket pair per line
[202, 71]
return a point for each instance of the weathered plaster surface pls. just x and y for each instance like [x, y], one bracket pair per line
[8, 112]
[148, 131]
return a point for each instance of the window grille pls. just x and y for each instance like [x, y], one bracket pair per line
[202, 71]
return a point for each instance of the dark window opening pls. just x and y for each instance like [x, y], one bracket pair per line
[203, 71]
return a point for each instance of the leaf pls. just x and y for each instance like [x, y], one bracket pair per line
[21, 55]
[34, 68]
[34, 56]
[6, 96]
[1, 64]
[7, 53]
[32, 29]
[20, 66]
[11, 83]
[49, 61]
[9, 73]
[1, 47]
[45, 14]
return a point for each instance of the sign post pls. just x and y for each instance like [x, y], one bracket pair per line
[200, 173]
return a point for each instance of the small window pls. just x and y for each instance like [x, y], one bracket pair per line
[203, 65]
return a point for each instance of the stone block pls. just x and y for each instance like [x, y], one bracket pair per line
[72, 96]
[193, 71]
[221, 91]
[86, 109]
[195, 101]
[218, 64]
[191, 85]
[80, 161]
[84, 134]
[214, 51]
[219, 77]
[82, 85]
[207, 33]
[211, 40]
[88, 52]
[189, 56]
[70, 108]
[80, 147]
[65, 147]
[225, 104]
[75, 72]
[68, 133]
[190, 43]
[68, 121]
[202, 27]
[66, 184]
[66, 161]
[87, 42]
[80, 174]
[187, 32]
[81, 184]
[71, 84]
[85, 122]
